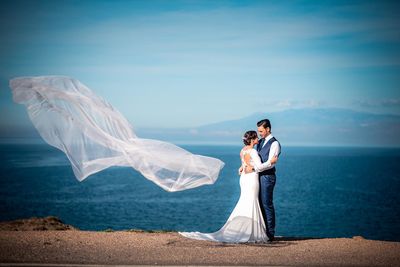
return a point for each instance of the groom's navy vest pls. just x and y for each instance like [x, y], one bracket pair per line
[264, 154]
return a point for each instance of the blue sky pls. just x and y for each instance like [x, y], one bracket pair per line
[188, 63]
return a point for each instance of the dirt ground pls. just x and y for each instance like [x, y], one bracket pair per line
[169, 248]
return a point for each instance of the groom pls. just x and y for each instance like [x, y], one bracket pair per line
[268, 147]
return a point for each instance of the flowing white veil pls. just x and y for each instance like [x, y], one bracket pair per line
[95, 136]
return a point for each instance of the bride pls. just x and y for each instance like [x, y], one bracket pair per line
[246, 223]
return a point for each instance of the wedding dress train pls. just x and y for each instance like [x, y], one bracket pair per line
[95, 136]
[246, 223]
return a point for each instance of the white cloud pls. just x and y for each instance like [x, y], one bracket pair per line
[291, 103]
[387, 102]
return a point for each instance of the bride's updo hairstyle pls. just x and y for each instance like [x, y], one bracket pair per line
[248, 136]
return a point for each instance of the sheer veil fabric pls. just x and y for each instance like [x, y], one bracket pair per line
[95, 136]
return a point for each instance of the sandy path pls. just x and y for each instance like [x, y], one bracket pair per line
[123, 247]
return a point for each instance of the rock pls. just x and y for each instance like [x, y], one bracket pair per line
[35, 224]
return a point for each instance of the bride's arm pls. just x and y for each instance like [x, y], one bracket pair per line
[256, 159]
[258, 166]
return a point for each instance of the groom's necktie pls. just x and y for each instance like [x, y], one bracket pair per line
[260, 145]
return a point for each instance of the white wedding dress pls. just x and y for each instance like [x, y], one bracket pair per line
[246, 223]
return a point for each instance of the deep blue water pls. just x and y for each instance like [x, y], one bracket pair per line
[320, 192]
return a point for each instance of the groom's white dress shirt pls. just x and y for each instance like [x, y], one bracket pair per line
[274, 151]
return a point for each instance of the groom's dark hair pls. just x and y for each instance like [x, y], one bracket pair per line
[264, 123]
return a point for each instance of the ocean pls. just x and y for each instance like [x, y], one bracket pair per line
[320, 192]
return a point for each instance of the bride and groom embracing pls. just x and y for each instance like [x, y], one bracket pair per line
[253, 218]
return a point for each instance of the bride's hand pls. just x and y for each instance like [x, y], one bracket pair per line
[240, 170]
[274, 159]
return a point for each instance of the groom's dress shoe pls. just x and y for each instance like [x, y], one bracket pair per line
[271, 239]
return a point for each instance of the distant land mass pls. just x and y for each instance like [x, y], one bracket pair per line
[308, 127]
[297, 127]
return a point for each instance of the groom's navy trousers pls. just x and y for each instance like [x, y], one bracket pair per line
[267, 184]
